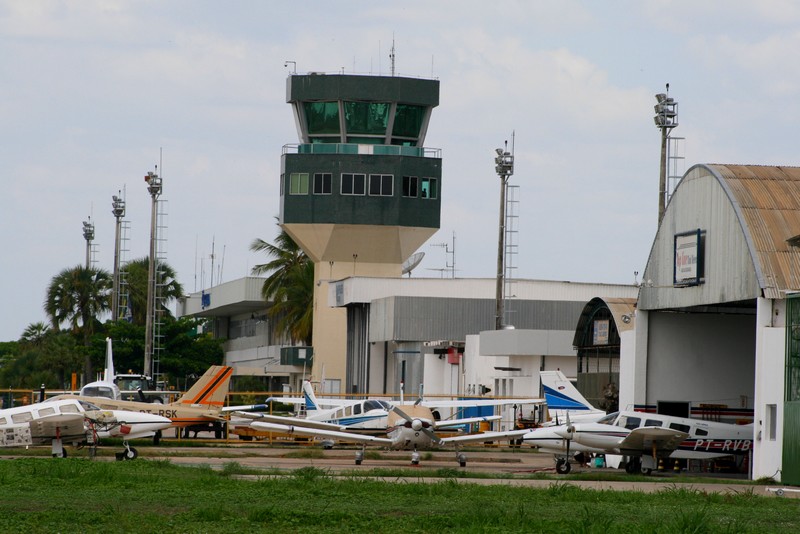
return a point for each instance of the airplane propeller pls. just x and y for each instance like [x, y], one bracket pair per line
[416, 424]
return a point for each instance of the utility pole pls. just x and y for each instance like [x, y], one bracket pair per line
[504, 166]
[154, 188]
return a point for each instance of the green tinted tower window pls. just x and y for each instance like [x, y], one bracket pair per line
[322, 117]
[408, 121]
[368, 118]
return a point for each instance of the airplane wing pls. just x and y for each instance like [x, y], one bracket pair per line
[648, 439]
[486, 436]
[465, 421]
[472, 403]
[289, 421]
[316, 432]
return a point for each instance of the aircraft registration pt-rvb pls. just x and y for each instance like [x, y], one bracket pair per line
[411, 427]
[643, 438]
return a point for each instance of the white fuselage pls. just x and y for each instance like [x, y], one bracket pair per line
[706, 439]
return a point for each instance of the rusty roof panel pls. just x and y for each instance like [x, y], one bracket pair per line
[769, 202]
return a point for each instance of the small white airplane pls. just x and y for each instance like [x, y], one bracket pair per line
[105, 387]
[643, 437]
[76, 421]
[405, 426]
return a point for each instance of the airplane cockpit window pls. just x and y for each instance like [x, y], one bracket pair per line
[653, 422]
[86, 406]
[679, 427]
[22, 417]
[374, 405]
[700, 432]
[631, 422]
[98, 391]
[609, 419]
[356, 409]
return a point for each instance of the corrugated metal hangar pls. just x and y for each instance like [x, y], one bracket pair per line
[711, 327]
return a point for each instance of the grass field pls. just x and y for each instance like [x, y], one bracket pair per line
[78, 495]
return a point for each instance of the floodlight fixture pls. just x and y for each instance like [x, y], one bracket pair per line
[665, 119]
[88, 230]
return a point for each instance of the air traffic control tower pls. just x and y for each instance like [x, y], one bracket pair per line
[360, 193]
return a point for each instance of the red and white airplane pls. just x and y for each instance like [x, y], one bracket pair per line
[75, 421]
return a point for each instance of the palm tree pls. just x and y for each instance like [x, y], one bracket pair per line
[136, 280]
[78, 296]
[294, 303]
[34, 334]
[290, 285]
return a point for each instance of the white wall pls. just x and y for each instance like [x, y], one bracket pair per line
[633, 363]
[701, 358]
[769, 388]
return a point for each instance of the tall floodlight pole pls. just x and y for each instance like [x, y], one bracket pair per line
[118, 210]
[154, 188]
[504, 166]
[88, 235]
[666, 119]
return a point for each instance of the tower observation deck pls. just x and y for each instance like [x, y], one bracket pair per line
[360, 186]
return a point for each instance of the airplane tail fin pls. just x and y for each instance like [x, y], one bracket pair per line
[560, 394]
[211, 389]
[311, 397]
[108, 375]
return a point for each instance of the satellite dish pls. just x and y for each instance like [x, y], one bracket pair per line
[412, 262]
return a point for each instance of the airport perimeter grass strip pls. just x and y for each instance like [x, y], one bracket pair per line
[79, 495]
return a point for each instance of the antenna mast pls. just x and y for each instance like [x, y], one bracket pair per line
[391, 55]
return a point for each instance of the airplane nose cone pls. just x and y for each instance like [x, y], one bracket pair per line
[563, 433]
[416, 425]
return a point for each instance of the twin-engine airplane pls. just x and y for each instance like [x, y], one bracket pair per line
[406, 427]
[75, 421]
[644, 438]
[202, 404]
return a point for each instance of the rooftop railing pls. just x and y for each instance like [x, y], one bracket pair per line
[352, 148]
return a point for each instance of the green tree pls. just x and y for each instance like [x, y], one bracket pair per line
[78, 296]
[289, 286]
[136, 279]
[50, 362]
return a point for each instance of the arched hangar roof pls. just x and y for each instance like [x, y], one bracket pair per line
[748, 213]
[623, 311]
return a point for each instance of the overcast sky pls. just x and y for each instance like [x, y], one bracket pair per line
[94, 93]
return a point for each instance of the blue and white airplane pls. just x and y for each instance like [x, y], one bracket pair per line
[400, 427]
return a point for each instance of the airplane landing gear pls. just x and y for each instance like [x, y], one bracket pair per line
[415, 458]
[462, 459]
[563, 466]
[633, 466]
[359, 457]
[129, 453]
